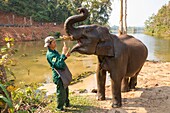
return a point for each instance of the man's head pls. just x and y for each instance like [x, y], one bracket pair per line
[50, 42]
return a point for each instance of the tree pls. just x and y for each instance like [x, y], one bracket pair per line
[99, 10]
[125, 19]
[123, 16]
[159, 25]
[59, 10]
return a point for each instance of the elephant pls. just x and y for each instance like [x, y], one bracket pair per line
[122, 56]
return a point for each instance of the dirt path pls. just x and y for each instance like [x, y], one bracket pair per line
[152, 94]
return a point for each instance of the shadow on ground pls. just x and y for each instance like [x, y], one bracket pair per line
[151, 100]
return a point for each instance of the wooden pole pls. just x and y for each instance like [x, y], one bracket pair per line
[13, 18]
[30, 20]
[25, 21]
[125, 19]
[121, 18]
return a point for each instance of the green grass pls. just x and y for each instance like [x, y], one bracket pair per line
[79, 104]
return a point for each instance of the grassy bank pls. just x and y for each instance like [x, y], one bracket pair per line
[79, 104]
[29, 100]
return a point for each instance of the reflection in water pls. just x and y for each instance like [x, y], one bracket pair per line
[162, 50]
[30, 57]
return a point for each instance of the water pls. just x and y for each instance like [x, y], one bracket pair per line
[33, 67]
[158, 48]
[31, 64]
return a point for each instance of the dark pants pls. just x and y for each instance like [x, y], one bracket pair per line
[62, 95]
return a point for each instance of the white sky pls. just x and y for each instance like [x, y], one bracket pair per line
[137, 11]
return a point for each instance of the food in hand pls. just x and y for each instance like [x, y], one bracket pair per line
[64, 37]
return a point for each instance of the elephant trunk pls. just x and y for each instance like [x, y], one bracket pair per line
[68, 25]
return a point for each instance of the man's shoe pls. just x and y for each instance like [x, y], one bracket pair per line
[67, 105]
[61, 110]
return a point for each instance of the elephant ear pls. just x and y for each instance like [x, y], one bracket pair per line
[105, 48]
[105, 45]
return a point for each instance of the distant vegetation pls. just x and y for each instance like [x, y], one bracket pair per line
[115, 29]
[159, 24]
[58, 10]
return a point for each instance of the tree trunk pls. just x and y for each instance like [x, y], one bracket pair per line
[121, 18]
[125, 18]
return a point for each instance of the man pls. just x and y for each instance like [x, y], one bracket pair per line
[56, 62]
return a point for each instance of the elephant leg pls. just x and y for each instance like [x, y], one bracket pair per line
[125, 85]
[101, 80]
[116, 93]
[133, 81]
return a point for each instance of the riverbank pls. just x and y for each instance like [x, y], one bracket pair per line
[31, 33]
[152, 94]
[23, 29]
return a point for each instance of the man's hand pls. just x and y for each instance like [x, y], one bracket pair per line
[68, 52]
[65, 50]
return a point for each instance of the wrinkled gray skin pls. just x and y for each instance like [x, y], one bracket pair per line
[123, 56]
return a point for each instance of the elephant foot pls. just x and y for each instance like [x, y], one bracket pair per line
[132, 85]
[132, 88]
[100, 98]
[125, 89]
[116, 105]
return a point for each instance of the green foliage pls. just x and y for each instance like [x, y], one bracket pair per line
[29, 98]
[58, 10]
[26, 99]
[159, 24]
[5, 84]
[5, 98]
[57, 34]
[6, 52]
[100, 11]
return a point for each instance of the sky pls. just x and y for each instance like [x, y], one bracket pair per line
[138, 11]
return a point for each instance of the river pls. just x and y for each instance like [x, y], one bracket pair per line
[33, 67]
[158, 48]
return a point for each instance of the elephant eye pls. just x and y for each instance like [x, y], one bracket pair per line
[90, 30]
[83, 37]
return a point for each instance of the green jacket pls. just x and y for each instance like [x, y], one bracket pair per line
[56, 61]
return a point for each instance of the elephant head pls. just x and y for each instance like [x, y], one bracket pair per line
[91, 39]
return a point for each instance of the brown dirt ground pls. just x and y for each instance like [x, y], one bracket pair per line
[152, 94]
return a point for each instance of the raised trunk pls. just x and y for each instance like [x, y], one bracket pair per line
[68, 25]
